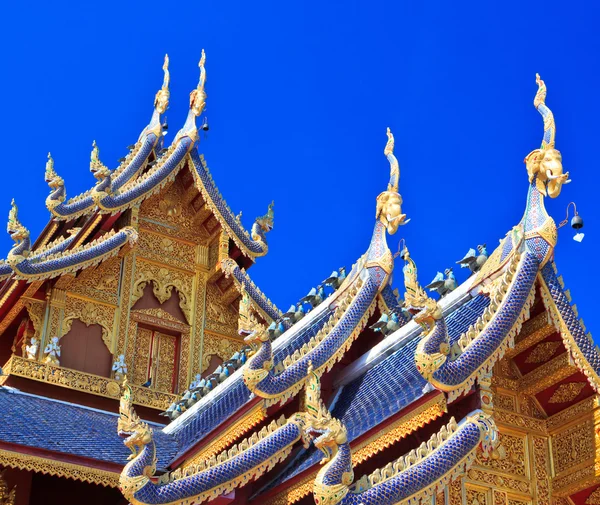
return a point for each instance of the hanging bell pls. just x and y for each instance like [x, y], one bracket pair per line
[205, 124]
[577, 222]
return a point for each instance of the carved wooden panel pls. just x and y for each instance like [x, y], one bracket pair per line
[163, 361]
[141, 363]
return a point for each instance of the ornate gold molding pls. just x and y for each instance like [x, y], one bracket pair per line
[218, 345]
[229, 436]
[58, 468]
[85, 382]
[399, 429]
[573, 413]
[535, 330]
[89, 312]
[389, 435]
[547, 375]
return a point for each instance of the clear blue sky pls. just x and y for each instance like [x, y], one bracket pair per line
[299, 96]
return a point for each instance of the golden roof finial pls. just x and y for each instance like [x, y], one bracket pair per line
[167, 77]
[394, 166]
[416, 298]
[198, 96]
[161, 100]
[539, 102]
[50, 172]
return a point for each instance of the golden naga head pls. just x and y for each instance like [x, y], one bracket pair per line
[129, 425]
[427, 310]
[51, 177]
[546, 162]
[319, 420]
[266, 222]
[99, 170]
[389, 203]
[15, 229]
[198, 96]
[161, 100]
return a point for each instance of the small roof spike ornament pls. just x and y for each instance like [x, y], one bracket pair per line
[389, 203]
[198, 96]
[161, 100]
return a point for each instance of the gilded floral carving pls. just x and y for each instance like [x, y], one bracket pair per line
[593, 498]
[509, 457]
[573, 446]
[543, 352]
[567, 392]
[163, 281]
[101, 283]
[220, 318]
[216, 345]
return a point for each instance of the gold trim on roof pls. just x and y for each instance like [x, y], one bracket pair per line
[225, 439]
[81, 381]
[58, 468]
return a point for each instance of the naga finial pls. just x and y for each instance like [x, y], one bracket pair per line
[14, 226]
[394, 166]
[389, 203]
[50, 173]
[198, 96]
[545, 164]
[161, 100]
[415, 297]
[129, 425]
[266, 222]
[99, 169]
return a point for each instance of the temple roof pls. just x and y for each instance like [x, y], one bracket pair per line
[67, 428]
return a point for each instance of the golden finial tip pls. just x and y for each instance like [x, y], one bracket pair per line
[202, 59]
[49, 155]
[389, 147]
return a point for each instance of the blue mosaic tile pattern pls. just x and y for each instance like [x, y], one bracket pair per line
[257, 296]
[222, 473]
[131, 170]
[303, 336]
[5, 269]
[390, 300]
[204, 421]
[385, 389]
[458, 322]
[29, 267]
[224, 210]
[456, 372]
[586, 346]
[69, 429]
[422, 474]
[139, 190]
[277, 384]
[207, 419]
[66, 209]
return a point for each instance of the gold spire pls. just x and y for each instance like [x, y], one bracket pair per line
[389, 203]
[161, 100]
[198, 96]
[539, 102]
[50, 172]
[394, 166]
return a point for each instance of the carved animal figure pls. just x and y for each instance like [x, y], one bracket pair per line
[443, 285]
[263, 225]
[19, 234]
[102, 174]
[219, 475]
[351, 305]
[58, 193]
[436, 460]
[474, 260]
[387, 324]
[336, 278]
